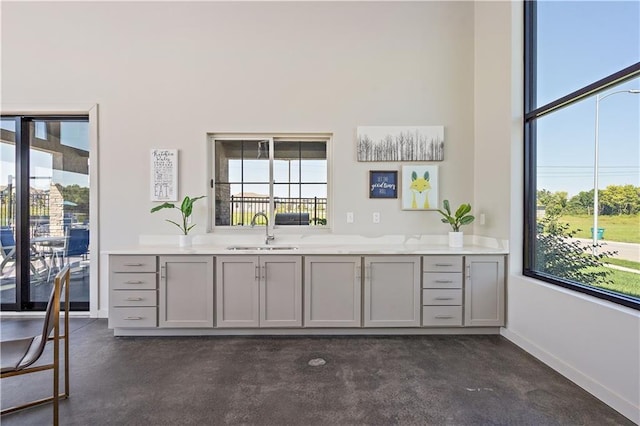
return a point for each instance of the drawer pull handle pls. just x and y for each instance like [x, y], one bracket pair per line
[443, 281]
[443, 317]
[444, 264]
[134, 282]
[133, 264]
[443, 298]
[133, 318]
[134, 299]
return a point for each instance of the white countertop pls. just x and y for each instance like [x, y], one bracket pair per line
[317, 245]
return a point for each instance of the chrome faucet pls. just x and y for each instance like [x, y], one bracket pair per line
[266, 226]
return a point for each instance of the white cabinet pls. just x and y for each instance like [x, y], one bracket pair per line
[392, 291]
[332, 291]
[259, 291]
[186, 291]
[133, 291]
[442, 291]
[484, 291]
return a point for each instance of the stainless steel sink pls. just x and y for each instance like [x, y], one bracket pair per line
[265, 248]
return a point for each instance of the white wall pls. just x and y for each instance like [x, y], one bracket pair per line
[594, 343]
[165, 74]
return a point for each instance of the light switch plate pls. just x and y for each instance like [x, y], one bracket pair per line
[349, 217]
[376, 217]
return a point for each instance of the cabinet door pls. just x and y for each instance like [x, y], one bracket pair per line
[484, 291]
[332, 291]
[237, 291]
[280, 291]
[186, 291]
[392, 291]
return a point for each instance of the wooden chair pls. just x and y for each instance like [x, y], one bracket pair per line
[19, 355]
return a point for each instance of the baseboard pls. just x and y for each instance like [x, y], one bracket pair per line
[103, 313]
[606, 395]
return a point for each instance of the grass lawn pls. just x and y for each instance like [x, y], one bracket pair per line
[622, 228]
[624, 282]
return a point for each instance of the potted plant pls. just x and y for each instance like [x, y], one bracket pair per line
[186, 208]
[461, 217]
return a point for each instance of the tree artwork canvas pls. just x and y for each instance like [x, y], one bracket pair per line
[400, 143]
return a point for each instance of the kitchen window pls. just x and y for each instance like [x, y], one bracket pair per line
[283, 176]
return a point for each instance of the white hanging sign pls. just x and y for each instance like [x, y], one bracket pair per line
[164, 174]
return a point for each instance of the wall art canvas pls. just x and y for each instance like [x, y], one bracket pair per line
[383, 184]
[419, 187]
[400, 143]
[164, 175]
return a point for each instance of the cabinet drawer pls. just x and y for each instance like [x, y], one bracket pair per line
[134, 298]
[442, 297]
[135, 317]
[434, 316]
[442, 263]
[133, 281]
[442, 280]
[132, 263]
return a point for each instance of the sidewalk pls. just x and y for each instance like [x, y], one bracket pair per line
[627, 251]
[622, 268]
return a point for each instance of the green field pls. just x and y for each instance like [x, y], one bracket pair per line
[622, 228]
[624, 282]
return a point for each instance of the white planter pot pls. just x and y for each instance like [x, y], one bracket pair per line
[456, 239]
[185, 241]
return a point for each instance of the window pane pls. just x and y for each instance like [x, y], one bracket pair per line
[7, 212]
[566, 173]
[59, 208]
[238, 161]
[580, 42]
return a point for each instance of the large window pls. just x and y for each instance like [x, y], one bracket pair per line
[582, 138]
[284, 177]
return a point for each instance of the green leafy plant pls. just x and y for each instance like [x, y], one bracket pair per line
[461, 216]
[558, 253]
[186, 208]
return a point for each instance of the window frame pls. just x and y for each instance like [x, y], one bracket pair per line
[532, 114]
[272, 138]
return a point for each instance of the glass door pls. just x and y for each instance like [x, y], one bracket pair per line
[49, 220]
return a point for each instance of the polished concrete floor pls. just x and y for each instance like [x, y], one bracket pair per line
[417, 380]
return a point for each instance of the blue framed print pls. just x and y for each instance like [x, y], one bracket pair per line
[383, 184]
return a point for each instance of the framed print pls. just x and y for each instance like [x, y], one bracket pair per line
[164, 175]
[400, 143]
[383, 184]
[419, 187]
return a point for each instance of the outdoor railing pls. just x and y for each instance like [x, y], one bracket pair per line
[243, 209]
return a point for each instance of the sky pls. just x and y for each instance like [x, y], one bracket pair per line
[580, 43]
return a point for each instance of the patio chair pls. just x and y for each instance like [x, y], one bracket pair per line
[76, 243]
[18, 356]
[8, 253]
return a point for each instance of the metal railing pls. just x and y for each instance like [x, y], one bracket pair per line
[243, 209]
[38, 210]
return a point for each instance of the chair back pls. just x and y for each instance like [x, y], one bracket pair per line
[7, 240]
[77, 242]
[52, 316]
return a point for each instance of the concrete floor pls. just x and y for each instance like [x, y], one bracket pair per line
[421, 380]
